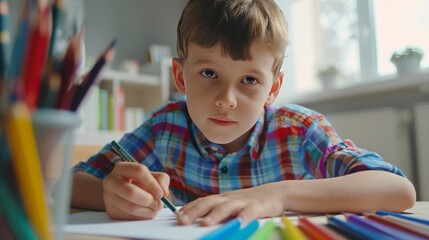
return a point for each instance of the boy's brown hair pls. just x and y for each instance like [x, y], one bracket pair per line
[235, 24]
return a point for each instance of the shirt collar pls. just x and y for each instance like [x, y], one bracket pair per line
[253, 146]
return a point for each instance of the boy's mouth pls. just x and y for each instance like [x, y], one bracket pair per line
[222, 121]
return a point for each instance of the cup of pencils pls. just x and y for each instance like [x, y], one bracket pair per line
[53, 131]
[41, 90]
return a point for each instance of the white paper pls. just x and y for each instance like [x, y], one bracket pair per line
[163, 226]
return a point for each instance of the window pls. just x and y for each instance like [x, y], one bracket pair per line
[356, 36]
[398, 24]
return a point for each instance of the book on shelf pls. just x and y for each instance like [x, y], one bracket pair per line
[104, 110]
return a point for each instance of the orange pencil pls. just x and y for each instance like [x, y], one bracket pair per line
[35, 57]
[317, 231]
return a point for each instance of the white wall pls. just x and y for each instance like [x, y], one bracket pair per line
[134, 23]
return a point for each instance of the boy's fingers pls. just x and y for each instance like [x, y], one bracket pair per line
[164, 181]
[123, 209]
[141, 176]
[132, 193]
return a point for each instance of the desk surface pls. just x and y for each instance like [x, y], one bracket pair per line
[420, 210]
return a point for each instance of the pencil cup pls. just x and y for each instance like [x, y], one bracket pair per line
[53, 130]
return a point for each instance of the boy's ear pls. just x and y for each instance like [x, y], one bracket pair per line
[178, 75]
[275, 89]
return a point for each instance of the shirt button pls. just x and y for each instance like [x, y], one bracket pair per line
[214, 148]
[224, 170]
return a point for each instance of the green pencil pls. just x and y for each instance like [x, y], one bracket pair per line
[127, 157]
[265, 231]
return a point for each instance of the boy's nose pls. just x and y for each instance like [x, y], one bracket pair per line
[226, 100]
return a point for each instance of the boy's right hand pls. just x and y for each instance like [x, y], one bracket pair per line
[132, 192]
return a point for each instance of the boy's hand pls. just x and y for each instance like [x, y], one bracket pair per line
[132, 192]
[246, 204]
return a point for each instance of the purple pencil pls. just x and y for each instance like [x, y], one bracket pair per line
[389, 231]
[92, 75]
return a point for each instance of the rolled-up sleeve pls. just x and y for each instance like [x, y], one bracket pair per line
[326, 155]
[139, 143]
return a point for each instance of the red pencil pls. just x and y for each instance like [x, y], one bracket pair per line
[35, 57]
[317, 231]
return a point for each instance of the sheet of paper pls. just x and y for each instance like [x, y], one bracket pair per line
[162, 227]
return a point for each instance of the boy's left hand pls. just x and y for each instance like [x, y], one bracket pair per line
[247, 204]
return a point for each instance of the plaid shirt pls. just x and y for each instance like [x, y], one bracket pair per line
[290, 142]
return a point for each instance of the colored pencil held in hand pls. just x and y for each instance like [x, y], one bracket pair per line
[128, 158]
[76, 93]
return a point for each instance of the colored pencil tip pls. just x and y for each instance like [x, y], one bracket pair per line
[113, 43]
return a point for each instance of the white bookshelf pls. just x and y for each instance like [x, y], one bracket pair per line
[145, 91]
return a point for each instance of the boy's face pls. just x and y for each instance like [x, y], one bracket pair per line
[225, 97]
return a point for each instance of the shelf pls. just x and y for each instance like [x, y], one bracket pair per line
[389, 84]
[142, 79]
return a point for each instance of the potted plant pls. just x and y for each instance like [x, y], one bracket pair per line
[329, 76]
[407, 60]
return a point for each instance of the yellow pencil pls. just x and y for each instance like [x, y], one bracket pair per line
[26, 165]
[290, 231]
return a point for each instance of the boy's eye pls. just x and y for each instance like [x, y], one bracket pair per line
[250, 80]
[208, 73]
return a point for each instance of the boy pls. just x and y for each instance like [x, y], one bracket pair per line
[226, 151]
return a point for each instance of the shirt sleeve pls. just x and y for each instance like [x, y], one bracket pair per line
[139, 144]
[326, 155]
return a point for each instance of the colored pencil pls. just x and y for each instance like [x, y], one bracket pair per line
[92, 75]
[417, 220]
[265, 231]
[11, 210]
[223, 231]
[57, 21]
[400, 223]
[389, 231]
[128, 158]
[354, 230]
[49, 86]
[290, 231]
[20, 43]
[4, 45]
[68, 72]
[317, 231]
[27, 169]
[40, 31]
[245, 232]
[4, 39]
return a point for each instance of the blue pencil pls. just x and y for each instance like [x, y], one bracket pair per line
[389, 231]
[354, 230]
[245, 232]
[418, 220]
[224, 231]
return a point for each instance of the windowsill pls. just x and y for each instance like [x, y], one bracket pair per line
[375, 86]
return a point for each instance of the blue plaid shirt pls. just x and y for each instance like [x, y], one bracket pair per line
[290, 142]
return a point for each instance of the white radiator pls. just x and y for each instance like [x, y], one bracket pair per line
[382, 130]
[422, 140]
